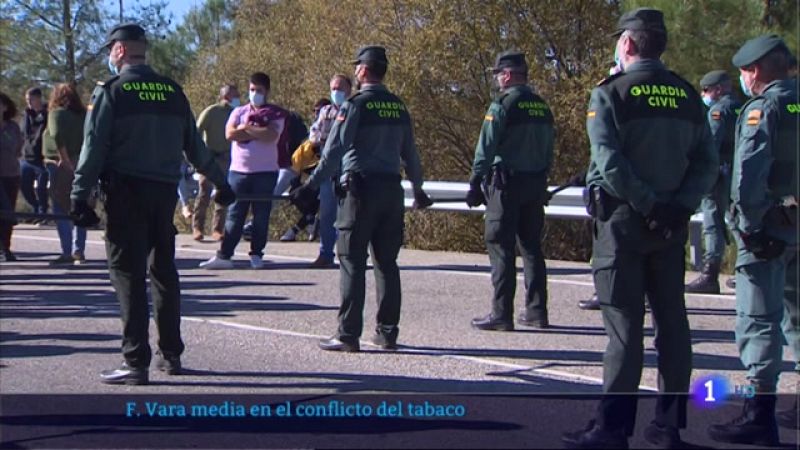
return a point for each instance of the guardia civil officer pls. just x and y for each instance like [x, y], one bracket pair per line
[764, 193]
[722, 112]
[512, 159]
[652, 160]
[137, 130]
[370, 138]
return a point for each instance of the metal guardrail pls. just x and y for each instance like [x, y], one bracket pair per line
[567, 204]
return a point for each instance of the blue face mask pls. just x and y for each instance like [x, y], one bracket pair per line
[256, 98]
[618, 61]
[746, 90]
[337, 97]
[707, 101]
[112, 67]
[235, 102]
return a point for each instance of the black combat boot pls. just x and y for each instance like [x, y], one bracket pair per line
[756, 425]
[707, 282]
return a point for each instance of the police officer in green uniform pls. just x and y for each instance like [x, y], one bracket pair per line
[512, 159]
[370, 139]
[137, 130]
[652, 160]
[764, 194]
[722, 113]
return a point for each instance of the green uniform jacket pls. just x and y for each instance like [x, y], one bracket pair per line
[140, 124]
[722, 121]
[650, 139]
[372, 133]
[517, 134]
[765, 164]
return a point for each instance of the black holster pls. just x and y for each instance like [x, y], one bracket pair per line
[599, 203]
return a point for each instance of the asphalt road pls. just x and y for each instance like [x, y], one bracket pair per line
[256, 331]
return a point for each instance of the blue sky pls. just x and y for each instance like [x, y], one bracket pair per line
[179, 8]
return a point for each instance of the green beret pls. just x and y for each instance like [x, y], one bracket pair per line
[757, 48]
[641, 19]
[510, 60]
[371, 53]
[714, 78]
[125, 32]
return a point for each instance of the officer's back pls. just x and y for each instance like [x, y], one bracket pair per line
[659, 120]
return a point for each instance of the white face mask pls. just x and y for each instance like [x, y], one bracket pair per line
[257, 98]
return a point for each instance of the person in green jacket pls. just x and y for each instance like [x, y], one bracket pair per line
[652, 160]
[723, 109]
[137, 131]
[512, 158]
[764, 194]
[371, 140]
[61, 146]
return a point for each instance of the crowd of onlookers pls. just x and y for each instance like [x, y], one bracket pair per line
[40, 146]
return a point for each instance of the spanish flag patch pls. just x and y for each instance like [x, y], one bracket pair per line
[591, 114]
[89, 107]
[340, 117]
[753, 117]
[716, 115]
[488, 118]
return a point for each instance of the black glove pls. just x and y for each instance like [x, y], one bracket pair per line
[303, 197]
[763, 246]
[82, 214]
[475, 195]
[666, 218]
[421, 200]
[225, 195]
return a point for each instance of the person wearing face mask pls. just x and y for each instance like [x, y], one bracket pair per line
[371, 139]
[211, 124]
[764, 196]
[255, 130]
[652, 160]
[722, 112]
[340, 88]
[513, 156]
[139, 128]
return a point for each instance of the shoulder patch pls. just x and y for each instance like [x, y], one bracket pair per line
[716, 115]
[610, 78]
[591, 114]
[488, 117]
[753, 117]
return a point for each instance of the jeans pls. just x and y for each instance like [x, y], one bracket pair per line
[184, 186]
[37, 198]
[327, 216]
[285, 177]
[248, 184]
[69, 244]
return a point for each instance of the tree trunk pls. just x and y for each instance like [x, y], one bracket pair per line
[69, 44]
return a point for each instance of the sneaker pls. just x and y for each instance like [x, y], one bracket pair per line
[169, 364]
[78, 258]
[322, 263]
[62, 260]
[217, 263]
[256, 262]
[289, 236]
[125, 375]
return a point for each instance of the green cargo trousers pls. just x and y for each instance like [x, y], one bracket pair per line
[370, 216]
[629, 262]
[766, 312]
[140, 239]
[515, 216]
[713, 207]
